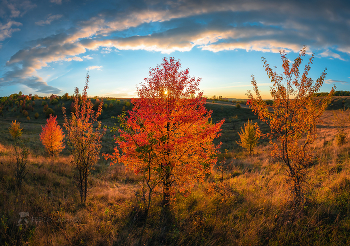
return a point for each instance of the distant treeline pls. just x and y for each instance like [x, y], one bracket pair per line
[336, 93]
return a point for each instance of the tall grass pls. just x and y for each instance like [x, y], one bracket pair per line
[245, 203]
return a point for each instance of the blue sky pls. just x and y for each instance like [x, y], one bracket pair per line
[47, 46]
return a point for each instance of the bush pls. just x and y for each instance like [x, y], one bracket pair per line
[25, 113]
[53, 101]
[49, 112]
[36, 115]
[238, 105]
[340, 138]
[43, 103]
[28, 118]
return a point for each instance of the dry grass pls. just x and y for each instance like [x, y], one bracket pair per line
[250, 206]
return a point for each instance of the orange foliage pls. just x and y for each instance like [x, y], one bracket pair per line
[52, 136]
[84, 138]
[292, 117]
[168, 135]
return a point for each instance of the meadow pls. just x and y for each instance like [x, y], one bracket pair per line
[246, 200]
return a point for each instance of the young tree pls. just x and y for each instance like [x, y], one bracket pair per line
[249, 136]
[292, 116]
[21, 153]
[341, 121]
[52, 136]
[84, 137]
[168, 136]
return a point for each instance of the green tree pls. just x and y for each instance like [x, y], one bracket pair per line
[249, 136]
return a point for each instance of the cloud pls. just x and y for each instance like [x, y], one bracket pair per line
[48, 21]
[74, 58]
[106, 50]
[331, 81]
[94, 67]
[15, 8]
[56, 1]
[168, 26]
[328, 53]
[7, 30]
[88, 57]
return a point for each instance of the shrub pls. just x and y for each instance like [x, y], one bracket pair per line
[53, 101]
[25, 113]
[43, 103]
[15, 130]
[49, 112]
[238, 105]
[36, 116]
[249, 136]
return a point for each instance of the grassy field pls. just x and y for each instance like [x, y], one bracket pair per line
[246, 203]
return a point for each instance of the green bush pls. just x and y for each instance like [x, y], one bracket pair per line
[49, 111]
[36, 115]
[238, 105]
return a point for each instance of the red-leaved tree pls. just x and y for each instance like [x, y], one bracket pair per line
[168, 137]
[52, 136]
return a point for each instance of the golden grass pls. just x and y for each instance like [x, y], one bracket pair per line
[250, 206]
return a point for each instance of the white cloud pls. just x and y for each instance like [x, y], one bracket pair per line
[74, 58]
[328, 53]
[56, 1]
[88, 57]
[274, 31]
[331, 81]
[7, 30]
[94, 67]
[14, 12]
[48, 21]
[106, 50]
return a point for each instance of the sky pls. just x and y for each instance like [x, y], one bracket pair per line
[48, 46]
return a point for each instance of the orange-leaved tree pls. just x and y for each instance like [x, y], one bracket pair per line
[292, 117]
[84, 137]
[168, 137]
[52, 136]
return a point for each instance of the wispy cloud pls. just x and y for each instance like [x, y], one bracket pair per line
[48, 21]
[94, 67]
[56, 1]
[15, 8]
[331, 81]
[251, 25]
[7, 30]
[328, 53]
[88, 57]
[74, 58]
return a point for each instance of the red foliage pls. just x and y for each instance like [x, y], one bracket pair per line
[168, 135]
